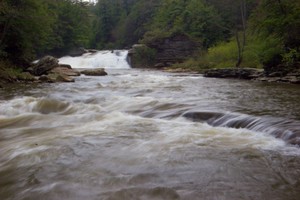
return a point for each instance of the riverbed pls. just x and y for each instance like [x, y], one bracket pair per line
[126, 136]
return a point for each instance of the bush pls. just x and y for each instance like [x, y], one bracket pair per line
[223, 55]
[8, 72]
[143, 57]
[291, 58]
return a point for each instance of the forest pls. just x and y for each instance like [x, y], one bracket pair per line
[235, 33]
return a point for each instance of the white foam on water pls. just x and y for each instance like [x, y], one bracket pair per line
[116, 59]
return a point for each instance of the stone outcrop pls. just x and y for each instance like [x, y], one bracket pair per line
[94, 72]
[174, 49]
[49, 70]
[242, 73]
[65, 70]
[54, 78]
[77, 52]
[255, 74]
[290, 77]
[44, 65]
[163, 52]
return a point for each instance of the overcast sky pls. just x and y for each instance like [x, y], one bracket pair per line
[90, 0]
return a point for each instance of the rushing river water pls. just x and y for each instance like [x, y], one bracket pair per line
[149, 135]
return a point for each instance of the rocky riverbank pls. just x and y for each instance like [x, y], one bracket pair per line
[254, 74]
[48, 69]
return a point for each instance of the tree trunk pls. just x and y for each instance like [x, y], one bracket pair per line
[240, 57]
[241, 46]
[4, 32]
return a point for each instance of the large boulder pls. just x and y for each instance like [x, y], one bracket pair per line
[94, 72]
[44, 65]
[65, 70]
[54, 78]
[62, 73]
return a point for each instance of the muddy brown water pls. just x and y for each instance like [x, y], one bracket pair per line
[149, 135]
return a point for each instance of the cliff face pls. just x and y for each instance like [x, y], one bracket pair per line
[170, 50]
[175, 49]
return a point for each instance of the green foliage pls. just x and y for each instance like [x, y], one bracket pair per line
[191, 17]
[278, 22]
[30, 28]
[143, 56]
[25, 26]
[72, 27]
[108, 14]
[9, 72]
[133, 26]
[121, 23]
[222, 55]
[291, 57]
[195, 64]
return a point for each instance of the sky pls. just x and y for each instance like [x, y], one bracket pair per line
[90, 0]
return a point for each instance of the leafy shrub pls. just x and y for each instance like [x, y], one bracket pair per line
[291, 57]
[223, 55]
[143, 56]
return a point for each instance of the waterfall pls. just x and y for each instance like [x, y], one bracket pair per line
[116, 59]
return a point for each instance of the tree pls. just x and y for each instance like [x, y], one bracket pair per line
[194, 18]
[279, 20]
[72, 27]
[25, 25]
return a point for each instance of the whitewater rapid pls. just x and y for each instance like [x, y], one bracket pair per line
[113, 59]
[148, 135]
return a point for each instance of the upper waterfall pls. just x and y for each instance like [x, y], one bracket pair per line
[102, 59]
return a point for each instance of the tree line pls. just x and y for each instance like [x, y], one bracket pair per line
[267, 30]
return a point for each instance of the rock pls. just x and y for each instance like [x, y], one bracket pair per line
[65, 70]
[53, 78]
[45, 78]
[94, 72]
[159, 65]
[241, 73]
[163, 51]
[44, 65]
[174, 49]
[77, 52]
[92, 50]
[221, 73]
[290, 79]
[62, 78]
[65, 66]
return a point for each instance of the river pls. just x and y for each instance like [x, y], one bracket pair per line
[149, 135]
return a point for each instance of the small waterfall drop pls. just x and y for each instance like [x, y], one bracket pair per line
[115, 59]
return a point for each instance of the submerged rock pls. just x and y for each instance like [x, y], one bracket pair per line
[94, 72]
